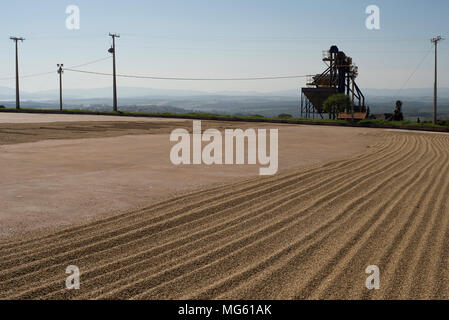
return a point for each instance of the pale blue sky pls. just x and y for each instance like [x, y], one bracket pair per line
[227, 38]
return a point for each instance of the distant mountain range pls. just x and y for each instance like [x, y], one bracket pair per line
[417, 102]
[135, 92]
[130, 92]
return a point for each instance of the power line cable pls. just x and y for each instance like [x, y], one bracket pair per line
[190, 79]
[29, 75]
[89, 63]
[270, 38]
[52, 72]
[413, 73]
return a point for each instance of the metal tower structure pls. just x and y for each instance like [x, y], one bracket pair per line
[339, 77]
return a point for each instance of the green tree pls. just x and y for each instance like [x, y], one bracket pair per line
[285, 116]
[337, 103]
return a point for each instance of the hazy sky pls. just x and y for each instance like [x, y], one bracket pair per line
[226, 38]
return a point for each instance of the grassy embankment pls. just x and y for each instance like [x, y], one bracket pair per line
[442, 126]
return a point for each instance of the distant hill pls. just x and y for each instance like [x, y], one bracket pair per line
[407, 93]
[417, 102]
[136, 92]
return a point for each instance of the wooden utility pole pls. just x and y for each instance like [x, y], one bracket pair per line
[16, 40]
[60, 71]
[352, 100]
[435, 89]
[112, 50]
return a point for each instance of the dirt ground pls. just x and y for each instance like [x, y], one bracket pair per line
[52, 118]
[308, 232]
[60, 173]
